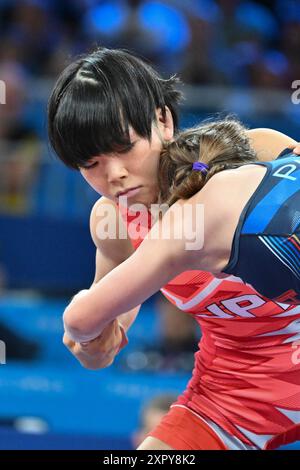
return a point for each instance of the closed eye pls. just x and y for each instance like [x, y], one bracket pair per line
[122, 152]
[88, 167]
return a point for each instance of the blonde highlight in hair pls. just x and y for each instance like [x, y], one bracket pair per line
[222, 145]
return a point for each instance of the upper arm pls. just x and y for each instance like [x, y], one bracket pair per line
[110, 251]
[268, 143]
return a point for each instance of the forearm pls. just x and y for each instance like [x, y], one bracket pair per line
[86, 315]
[268, 143]
[121, 290]
[127, 319]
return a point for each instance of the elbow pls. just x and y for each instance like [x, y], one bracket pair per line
[77, 325]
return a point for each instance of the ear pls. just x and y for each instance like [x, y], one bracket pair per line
[165, 124]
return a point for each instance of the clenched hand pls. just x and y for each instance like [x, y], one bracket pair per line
[100, 352]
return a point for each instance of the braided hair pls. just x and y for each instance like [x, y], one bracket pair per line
[221, 145]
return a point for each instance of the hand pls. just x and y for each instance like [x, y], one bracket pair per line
[295, 148]
[100, 352]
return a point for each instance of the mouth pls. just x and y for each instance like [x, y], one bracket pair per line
[129, 192]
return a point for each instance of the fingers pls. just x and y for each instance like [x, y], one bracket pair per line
[107, 342]
[295, 148]
[68, 342]
[101, 351]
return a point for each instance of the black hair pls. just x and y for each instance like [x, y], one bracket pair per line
[97, 98]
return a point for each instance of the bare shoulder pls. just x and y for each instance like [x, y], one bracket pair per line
[226, 185]
[221, 202]
[105, 222]
[220, 191]
[231, 189]
[225, 195]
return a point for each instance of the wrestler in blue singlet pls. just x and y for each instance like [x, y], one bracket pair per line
[266, 245]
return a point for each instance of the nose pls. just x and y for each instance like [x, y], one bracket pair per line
[115, 170]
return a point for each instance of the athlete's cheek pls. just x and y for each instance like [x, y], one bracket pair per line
[94, 182]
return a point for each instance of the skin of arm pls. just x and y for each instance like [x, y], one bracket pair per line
[268, 143]
[111, 253]
[162, 258]
[101, 352]
[128, 284]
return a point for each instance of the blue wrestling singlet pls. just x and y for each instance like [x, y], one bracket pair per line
[266, 246]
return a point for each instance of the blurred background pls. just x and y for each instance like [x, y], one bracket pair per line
[233, 56]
